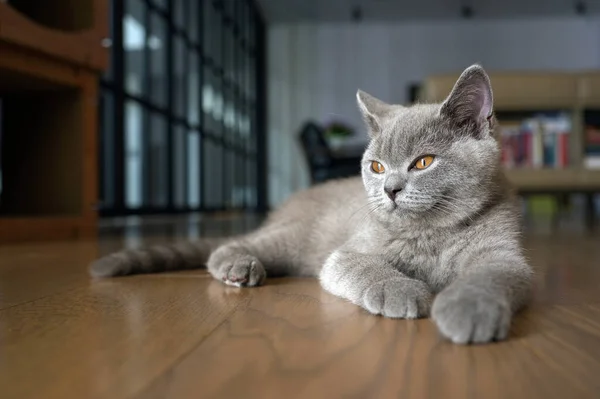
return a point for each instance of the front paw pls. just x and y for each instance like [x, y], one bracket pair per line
[238, 270]
[398, 298]
[470, 314]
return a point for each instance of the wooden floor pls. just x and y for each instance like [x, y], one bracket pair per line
[183, 335]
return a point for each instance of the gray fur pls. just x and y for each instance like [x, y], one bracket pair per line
[452, 232]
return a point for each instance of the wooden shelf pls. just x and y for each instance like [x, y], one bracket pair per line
[65, 29]
[48, 160]
[554, 180]
[516, 91]
[51, 56]
[589, 89]
[526, 91]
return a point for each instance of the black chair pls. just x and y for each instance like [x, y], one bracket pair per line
[323, 164]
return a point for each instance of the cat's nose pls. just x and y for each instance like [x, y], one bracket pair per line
[391, 192]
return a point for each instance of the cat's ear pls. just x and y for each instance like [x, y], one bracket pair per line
[372, 110]
[471, 100]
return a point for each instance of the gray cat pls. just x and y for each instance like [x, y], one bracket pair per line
[432, 215]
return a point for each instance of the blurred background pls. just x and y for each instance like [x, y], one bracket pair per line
[160, 107]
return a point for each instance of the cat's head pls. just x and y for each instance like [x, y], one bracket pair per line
[432, 163]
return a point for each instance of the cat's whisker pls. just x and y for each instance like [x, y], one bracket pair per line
[454, 208]
[375, 209]
[372, 209]
[365, 206]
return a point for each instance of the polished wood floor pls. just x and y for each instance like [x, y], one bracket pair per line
[183, 335]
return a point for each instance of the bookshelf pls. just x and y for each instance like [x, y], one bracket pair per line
[519, 97]
[51, 56]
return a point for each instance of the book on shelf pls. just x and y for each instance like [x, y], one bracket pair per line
[541, 141]
[591, 145]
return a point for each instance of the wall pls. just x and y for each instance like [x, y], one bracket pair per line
[314, 70]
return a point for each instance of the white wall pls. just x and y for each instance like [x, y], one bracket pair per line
[314, 70]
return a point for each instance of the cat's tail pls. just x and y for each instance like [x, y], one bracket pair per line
[156, 259]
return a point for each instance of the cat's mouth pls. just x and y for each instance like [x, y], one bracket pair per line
[415, 205]
[407, 209]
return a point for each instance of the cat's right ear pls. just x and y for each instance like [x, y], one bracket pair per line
[471, 99]
[372, 110]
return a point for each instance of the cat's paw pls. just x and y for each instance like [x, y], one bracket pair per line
[239, 271]
[398, 298]
[470, 314]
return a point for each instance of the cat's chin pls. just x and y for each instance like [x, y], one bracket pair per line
[430, 215]
[400, 214]
[414, 211]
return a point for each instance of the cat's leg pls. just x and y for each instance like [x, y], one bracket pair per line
[245, 262]
[492, 284]
[377, 286]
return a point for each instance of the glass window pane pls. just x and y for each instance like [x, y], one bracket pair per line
[229, 7]
[240, 76]
[252, 132]
[162, 4]
[228, 177]
[179, 166]
[247, 77]
[252, 81]
[108, 43]
[133, 154]
[229, 59]
[233, 58]
[218, 106]
[237, 120]
[229, 117]
[251, 183]
[245, 126]
[194, 22]
[157, 45]
[193, 151]
[252, 30]
[235, 172]
[179, 76]
[158, 161]
[213, 20]
[216, 97]
[193, 83]
[134, 37]
[180, 12]
[248, 26]
[208, 99]
[244, 16]
[218, 38]
[225, 120]
[213, 174]
[208, 28]
[240, 180]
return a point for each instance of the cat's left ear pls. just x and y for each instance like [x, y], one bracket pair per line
[471, 100]
[373, 111]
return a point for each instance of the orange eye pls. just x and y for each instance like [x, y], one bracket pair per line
[423, 163]
[377, 167]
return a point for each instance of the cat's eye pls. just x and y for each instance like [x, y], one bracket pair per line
[377, 167]
[423, 162]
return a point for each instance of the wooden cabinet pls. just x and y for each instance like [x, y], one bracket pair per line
[50, 57]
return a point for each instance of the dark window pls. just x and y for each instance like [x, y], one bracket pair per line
[181, 107]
